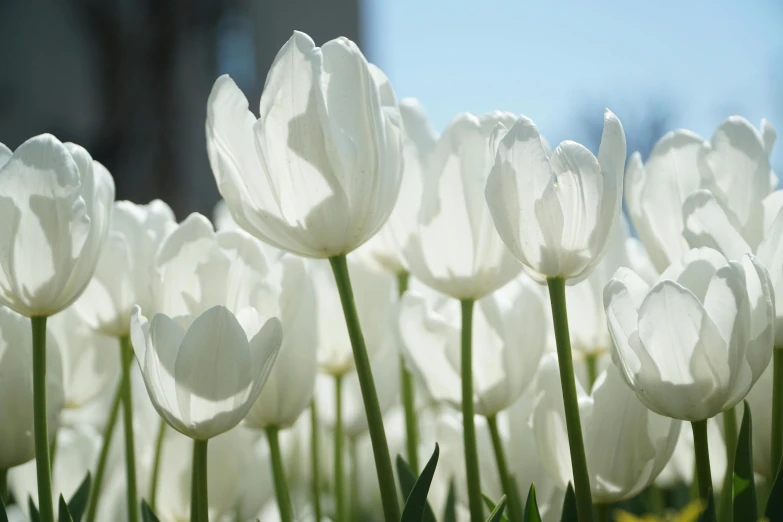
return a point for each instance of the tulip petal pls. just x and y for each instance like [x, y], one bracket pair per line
[707, 225]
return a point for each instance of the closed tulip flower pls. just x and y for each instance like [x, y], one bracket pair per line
[204, 376]
[455, 249]
[16, 389]
[289, 388]
[318, 173]
[509, 333]
[626, 444]
[122, 276]
[694, 344]
[56, 202]
[555, 212]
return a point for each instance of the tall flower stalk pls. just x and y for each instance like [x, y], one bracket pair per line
[468, 421]
[391, 508]
[41, 431]
[278, 474]
[408, 392]
[557, 297]
[126, 356]
[776, 450]
[100, 470]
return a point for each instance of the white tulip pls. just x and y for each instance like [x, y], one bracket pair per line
[289, 388]
[419, 140]
[693, 345]
[319, 172]
[509, 333]
[626, 444]
[55, 204]
[122, 276]
[455, 249]
[734, 166]
[555, 212]
[196, 268]
[202, 373]
[16, 389]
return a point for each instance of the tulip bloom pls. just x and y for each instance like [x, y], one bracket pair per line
[555, 212]
[733, 165]
[693, 344]
[122, 277]
[510, 335]
[318, 173]
[615, 425]
[198, 394]
[455, 249]
[57, 203]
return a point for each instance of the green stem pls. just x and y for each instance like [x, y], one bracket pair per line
[602, 512]
[126, 356]
[776, 449]
[380, 448]
[314, 460]
[468, 421]
[655, 498]
[100, 470]
[408, 393]
[156, 464]
[339, 475]
[514, 511]
[278, 474]
[591, 361]
[726, 511]
[701, 449]
[199, 502]
[42, 466]
[353, 449]
[557, 299]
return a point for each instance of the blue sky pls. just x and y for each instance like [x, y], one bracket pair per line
[556, 61]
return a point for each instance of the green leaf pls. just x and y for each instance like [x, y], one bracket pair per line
[745, 509]
[497, 514]
[407, 481]
[774, 509]
[491, 506]
[146, 513]
[450, 510]
[416, 503]
[569, 506]
[34, 516]
[78, 503]
[531, 506]
[709, 515]
[63, 515]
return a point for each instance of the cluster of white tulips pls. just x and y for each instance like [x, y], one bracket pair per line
[487, 341]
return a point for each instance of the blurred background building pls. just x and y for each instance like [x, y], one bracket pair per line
[129, 79]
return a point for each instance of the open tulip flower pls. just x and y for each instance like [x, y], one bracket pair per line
[202, 373]
[693, 344]
[318, 173]
[734, 166]
[555, 212]
[509, 333]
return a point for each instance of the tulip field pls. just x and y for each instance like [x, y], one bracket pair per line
[380, 322]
